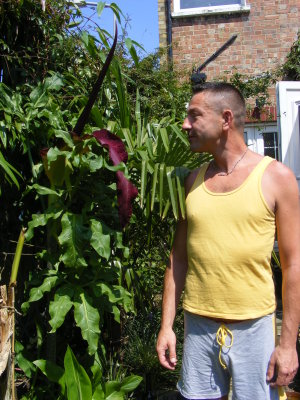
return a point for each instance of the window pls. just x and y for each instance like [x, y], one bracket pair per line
[206, 3]
[196, 7]
[270, 144]
[263, 140]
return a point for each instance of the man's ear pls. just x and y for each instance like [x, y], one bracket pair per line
[227, 118]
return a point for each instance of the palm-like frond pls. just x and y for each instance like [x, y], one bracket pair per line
[160, 160]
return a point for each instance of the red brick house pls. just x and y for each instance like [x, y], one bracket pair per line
[266, 29]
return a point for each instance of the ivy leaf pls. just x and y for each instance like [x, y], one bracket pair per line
[78, 383]
[87, 319]
[73, 239]
[99, 241]
[60, 306]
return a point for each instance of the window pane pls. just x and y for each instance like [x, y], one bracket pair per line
[270, 144]
[206, 3]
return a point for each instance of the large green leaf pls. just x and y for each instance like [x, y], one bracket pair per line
[116, 295]
[40, 220]
[73, 239]
[115, 396]
[130, 383]
[99, 241]
[112, 391]
[78, 383]
[87, 319]
[54, 82]
[60, 306]
[39, 98]
[38, 292]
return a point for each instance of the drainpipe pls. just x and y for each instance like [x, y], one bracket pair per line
[169, 30]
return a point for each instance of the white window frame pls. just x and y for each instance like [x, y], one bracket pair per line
[190, 12]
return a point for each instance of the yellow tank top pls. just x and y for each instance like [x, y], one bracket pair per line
[230, 238]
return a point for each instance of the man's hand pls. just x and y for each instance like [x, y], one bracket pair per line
[283, 366]
[166, 348]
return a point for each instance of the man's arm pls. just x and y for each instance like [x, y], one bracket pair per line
[284, 360]
[173, 286]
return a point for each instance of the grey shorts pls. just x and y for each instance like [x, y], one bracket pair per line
[208, 366]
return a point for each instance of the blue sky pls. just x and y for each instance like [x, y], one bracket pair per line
[143, 20]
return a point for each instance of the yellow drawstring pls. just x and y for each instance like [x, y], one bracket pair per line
[223, 331]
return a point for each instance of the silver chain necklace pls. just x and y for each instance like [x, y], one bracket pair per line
[234, 165]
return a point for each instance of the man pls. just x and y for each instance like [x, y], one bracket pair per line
[221, 256]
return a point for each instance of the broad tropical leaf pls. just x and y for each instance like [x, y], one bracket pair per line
[99, 241]
[40, 220]
[73, 239]
[60, 306]
[38, 292]
[87, 319]
[130, 383]
[78, 383]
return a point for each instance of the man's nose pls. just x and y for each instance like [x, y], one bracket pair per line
[186, 124]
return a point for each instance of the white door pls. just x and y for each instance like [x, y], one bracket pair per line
[288, 106]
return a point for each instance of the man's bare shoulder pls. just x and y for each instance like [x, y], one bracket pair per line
[282, 180]
[280, 173]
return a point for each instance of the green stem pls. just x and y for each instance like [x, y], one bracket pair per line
[17, 258]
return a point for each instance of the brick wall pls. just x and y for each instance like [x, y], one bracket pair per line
[265, 36]
[162, 23]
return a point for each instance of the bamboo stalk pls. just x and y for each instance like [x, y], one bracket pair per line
[17, 257]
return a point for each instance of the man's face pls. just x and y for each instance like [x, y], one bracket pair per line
[203, 123]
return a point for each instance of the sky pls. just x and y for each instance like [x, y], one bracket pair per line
[143, 21]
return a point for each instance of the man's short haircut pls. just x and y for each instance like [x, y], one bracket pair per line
[228, 96]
